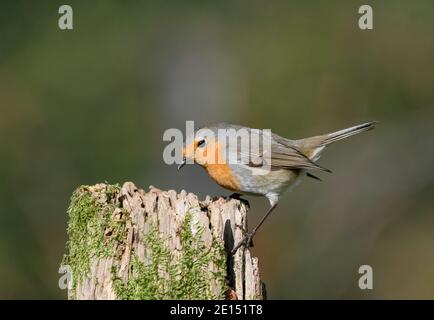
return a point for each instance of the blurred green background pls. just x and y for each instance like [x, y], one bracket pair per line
[91, 105]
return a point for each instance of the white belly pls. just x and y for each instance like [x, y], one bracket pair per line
[262, 182]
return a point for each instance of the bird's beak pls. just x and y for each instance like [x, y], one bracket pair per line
[182, 163]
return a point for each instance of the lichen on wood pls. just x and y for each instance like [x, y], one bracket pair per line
[125, 243]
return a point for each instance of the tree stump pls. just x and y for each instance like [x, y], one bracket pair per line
[125, 243]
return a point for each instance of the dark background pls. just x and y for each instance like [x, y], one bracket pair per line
[91, 105]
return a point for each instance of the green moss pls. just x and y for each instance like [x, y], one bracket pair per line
[193, 278]
[95, 232]
[189, 278]
[145, 280]
[90, 217]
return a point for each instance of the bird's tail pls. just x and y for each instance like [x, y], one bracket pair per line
[313, 146]
[345, 133]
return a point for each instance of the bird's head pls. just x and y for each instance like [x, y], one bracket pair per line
[202, 148]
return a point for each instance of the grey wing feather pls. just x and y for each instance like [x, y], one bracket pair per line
[284, 154]
[291, 154]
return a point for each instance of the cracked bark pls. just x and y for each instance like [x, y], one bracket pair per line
[219, 218]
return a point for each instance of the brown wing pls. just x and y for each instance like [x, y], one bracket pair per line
[284, 155]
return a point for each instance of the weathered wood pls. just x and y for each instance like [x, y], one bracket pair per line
[125, 243]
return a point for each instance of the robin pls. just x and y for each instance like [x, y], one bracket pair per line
[287, 160]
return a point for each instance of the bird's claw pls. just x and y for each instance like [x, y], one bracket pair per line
[246, 242]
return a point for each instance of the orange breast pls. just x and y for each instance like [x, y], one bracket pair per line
[222, 174]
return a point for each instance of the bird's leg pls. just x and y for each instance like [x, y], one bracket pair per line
[245, 231]
[247, 240]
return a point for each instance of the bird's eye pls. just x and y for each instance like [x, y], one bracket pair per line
[201, 143]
